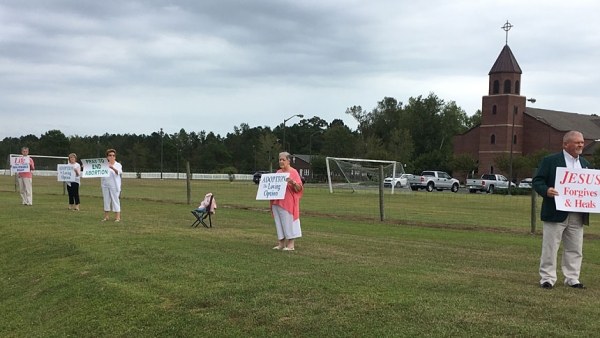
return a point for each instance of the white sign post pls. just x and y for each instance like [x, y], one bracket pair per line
[66, 172]
[578, 190]
[95, 167]
[19, 165]
[272, 186]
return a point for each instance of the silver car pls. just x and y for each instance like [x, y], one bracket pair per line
[400, 181]
[526, 183]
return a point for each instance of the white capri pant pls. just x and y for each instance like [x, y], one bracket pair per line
[285, 224]
[111, 195]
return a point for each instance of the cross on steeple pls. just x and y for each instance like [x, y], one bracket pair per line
[507, 26]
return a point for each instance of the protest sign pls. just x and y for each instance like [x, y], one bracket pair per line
[272, 186]
[95, 167]
[578, 190]
[19, 165]
[66, 172]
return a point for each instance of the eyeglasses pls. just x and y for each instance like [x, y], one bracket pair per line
[111, 155]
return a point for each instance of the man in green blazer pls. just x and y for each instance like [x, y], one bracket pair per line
[561, 225]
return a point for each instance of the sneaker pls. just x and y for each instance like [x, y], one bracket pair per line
[288, 249]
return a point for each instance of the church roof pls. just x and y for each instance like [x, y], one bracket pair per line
[506, 63]
[588, 125]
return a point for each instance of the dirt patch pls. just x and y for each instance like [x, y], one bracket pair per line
[366, 219]
[416, 224]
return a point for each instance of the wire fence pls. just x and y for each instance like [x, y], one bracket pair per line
[461, 210]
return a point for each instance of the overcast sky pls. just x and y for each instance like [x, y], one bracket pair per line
[120, 66]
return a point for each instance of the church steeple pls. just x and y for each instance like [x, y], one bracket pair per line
[506, 63]
[502, 111]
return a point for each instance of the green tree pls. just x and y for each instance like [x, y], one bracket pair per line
[384, 118]
[520, 164]
[473, 120]
[595, 162]
[319, 167]
[268, 151]
[434, 160]
[463, 163]
[53, 143]
[139, 155]
[401, 146]
[214, 155]
[338, 140]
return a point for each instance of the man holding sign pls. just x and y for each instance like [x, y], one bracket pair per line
[561, 225]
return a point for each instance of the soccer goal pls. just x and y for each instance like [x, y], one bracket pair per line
[359, 173]
[44, 166]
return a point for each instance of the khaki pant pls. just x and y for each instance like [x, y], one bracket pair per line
[570, 232]
[26, 190]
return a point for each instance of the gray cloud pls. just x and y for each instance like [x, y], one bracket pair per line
[132, 67]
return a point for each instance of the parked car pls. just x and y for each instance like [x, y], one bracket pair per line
[488, 183]
[526, 183]
[400, 181]
[258, 175]
[433, 180]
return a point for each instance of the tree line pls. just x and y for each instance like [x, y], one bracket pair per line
[419, 134]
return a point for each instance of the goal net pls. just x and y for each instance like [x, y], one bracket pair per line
[45, 174]
[356, 174]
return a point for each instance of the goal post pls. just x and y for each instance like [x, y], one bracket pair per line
[44, 166]
[355, 171]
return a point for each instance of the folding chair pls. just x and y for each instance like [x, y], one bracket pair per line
[205, 210]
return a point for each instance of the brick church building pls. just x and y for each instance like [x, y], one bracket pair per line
[504, 109]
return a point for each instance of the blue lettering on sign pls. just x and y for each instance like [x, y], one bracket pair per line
[270, 193]
[274, 179]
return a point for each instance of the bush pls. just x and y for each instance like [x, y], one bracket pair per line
[231, 171]
[513, 191]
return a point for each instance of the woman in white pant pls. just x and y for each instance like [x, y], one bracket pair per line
[286, 212]
[111, 186]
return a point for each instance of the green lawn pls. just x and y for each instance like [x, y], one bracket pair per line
[469, 269]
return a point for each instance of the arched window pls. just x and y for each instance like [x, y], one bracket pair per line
[517, 86]
[494, 110]
[514, 139]
[496, 87]
[493, 139]
[506, 86]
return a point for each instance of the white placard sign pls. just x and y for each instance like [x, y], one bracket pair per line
[578, 190]
[19, 165]
[272, 186]
[95, 167]
[66, 172]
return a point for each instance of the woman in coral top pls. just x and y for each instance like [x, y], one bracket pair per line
[287, 211]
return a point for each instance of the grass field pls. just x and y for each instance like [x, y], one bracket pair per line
[467, 269]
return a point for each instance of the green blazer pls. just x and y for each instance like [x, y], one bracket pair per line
[545, 178]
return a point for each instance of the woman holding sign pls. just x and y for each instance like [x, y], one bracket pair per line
[73, 186]
[287, 211]
[24, 178]
[111, 186]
